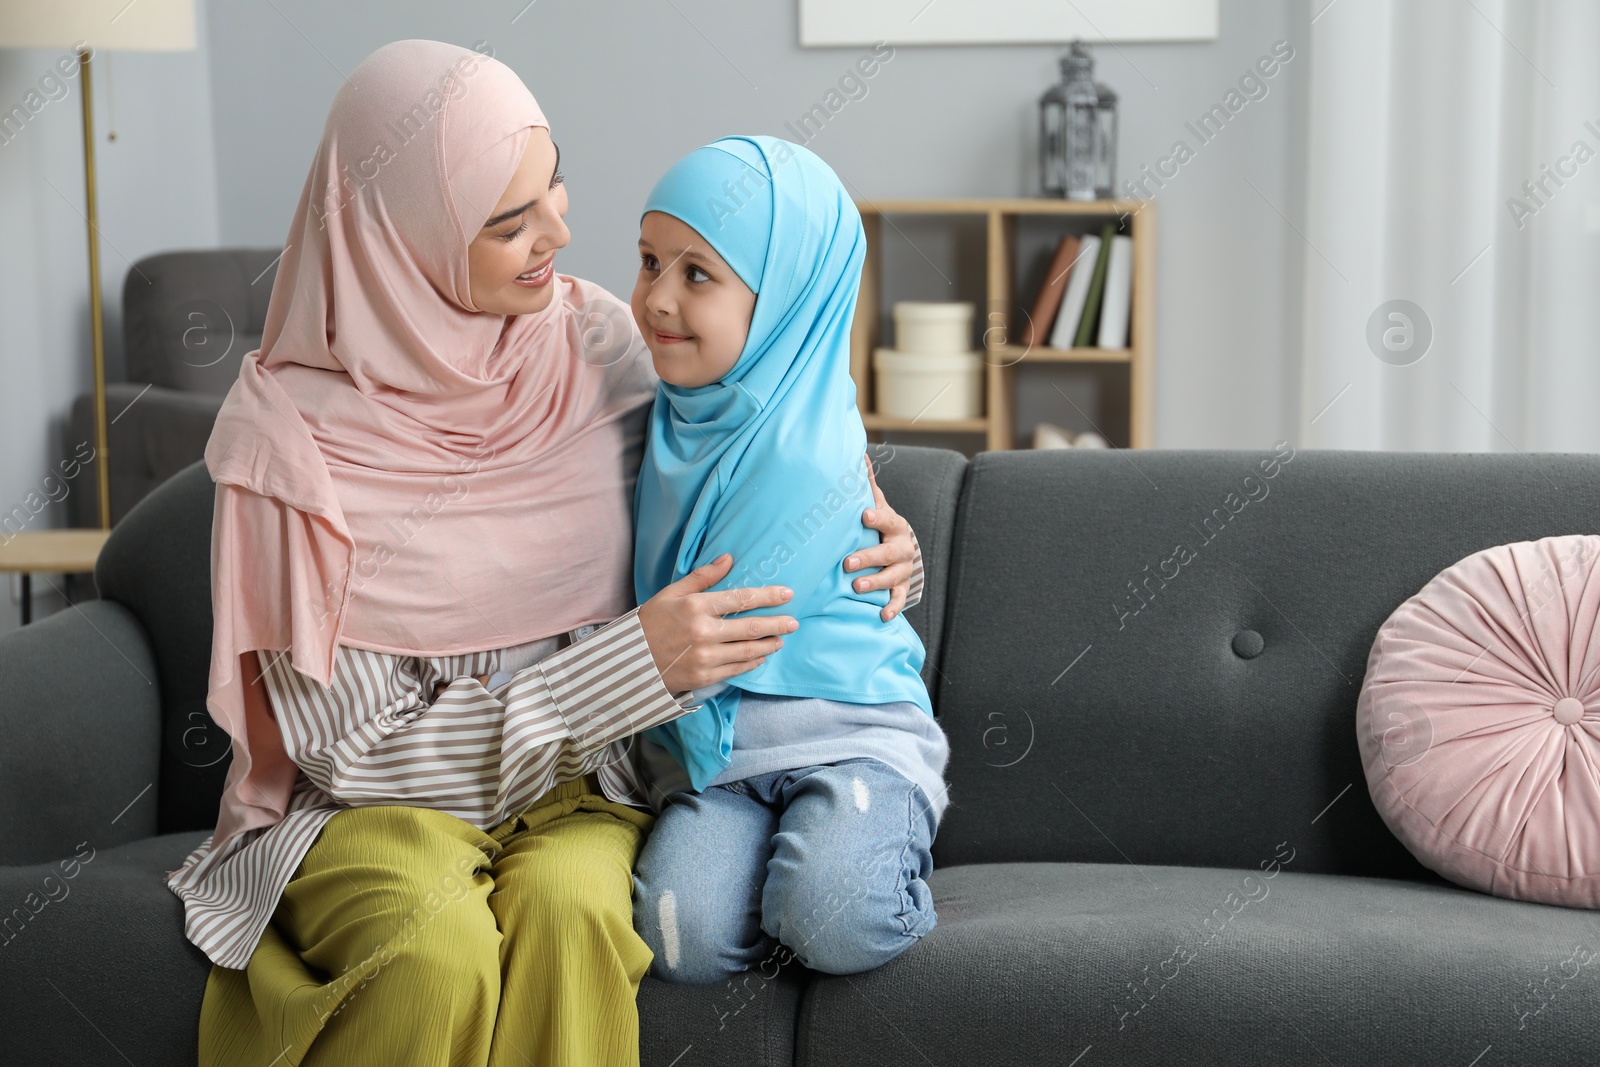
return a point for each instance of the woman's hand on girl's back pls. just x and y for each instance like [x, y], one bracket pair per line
[895, 554]
[694, 645]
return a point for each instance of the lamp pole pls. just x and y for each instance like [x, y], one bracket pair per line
[97, 325]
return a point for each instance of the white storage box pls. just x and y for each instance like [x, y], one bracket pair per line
[929, 386]
[932, 326]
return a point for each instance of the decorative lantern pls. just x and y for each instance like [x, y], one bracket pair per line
[1078, 132]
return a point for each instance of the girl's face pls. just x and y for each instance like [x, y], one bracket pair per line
[693, 310]
[511, 262]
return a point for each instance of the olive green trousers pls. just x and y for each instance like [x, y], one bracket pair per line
[408, 936]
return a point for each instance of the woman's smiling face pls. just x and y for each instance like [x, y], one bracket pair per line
[511, 262]
[692, 308]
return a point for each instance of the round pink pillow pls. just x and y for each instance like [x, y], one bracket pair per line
[1479, 722]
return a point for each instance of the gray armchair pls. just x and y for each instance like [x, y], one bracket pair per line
[188, 320]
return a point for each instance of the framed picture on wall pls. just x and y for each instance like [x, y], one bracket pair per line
[832, 23]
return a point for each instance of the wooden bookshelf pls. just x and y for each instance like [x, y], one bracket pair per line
[1122, 376]
[874, 421]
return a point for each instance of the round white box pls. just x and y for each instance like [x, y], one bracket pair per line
[929, 385]
[932, 326]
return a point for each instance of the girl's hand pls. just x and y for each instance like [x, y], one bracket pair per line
[694, 645]
[894, 555]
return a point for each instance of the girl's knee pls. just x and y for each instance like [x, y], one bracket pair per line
[851, 944]
[694, 940]
[836, 931]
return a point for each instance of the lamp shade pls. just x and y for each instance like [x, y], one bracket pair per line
[106, 25]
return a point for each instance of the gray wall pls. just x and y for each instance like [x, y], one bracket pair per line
[157, 191]
[213, 147]
[629, 87]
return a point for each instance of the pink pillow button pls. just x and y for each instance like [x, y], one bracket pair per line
[1568, 710]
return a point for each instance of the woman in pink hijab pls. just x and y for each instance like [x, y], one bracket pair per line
[425, 647]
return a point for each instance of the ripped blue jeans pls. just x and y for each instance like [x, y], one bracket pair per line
[831, 862]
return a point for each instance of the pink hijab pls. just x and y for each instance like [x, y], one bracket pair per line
[397, 470]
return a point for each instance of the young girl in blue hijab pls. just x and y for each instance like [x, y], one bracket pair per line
[799, 802]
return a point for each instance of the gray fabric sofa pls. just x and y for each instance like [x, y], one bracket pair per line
[1160, 847]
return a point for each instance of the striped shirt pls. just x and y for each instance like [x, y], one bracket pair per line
[381, 734]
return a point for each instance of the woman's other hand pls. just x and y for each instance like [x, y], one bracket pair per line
[694, 645]
[894, 555]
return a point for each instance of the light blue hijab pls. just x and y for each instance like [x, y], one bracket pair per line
[769, 462]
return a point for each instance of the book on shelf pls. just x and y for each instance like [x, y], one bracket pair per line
[1115, 304]
[1077, 293]
[1048, 302]
[1097, 286]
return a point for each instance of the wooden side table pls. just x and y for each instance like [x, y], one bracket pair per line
[49, 552]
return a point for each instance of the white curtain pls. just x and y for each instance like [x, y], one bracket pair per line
[1426, 118]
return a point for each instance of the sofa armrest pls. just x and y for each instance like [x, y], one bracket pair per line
[157, 432]
[97, 970]
[80, 715]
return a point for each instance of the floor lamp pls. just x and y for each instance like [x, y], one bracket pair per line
[88, 27]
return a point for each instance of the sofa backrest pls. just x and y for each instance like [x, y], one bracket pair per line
[188, 318]
[1154, 657]
[1089, 620]
[158, 565]
[924, 486]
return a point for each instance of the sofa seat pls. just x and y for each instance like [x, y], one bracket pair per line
[747, 1020]
[1044, 963]
[142, 1000]
[97, 975]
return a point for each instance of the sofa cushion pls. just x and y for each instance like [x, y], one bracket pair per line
[101, 973]
[1101, 964]
[1101, 683]
[1479, 721]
